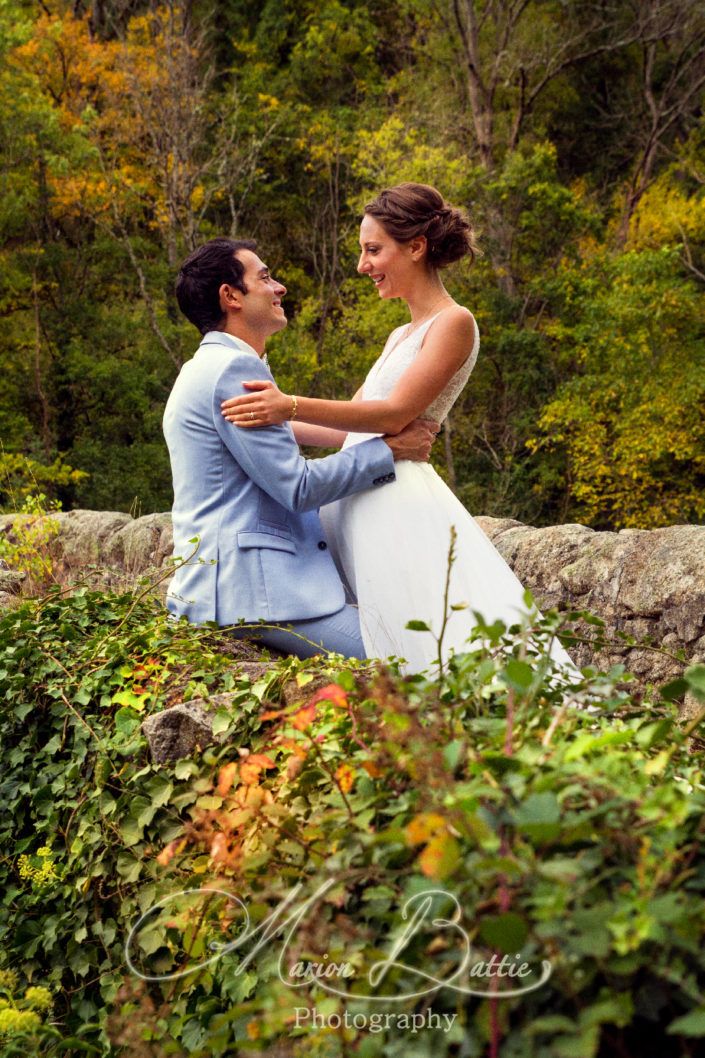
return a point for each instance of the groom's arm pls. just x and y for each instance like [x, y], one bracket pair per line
[270, 456]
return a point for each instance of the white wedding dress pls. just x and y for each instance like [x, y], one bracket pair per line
[391, 543]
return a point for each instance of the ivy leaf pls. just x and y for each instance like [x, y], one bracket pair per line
[151, 939]
[79, 961]
[159, 790]
[126, 721]
[129, 867]
[221, 721]
[131, 831]
[129, 698]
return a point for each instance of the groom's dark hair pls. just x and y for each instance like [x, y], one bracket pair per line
[201, 276]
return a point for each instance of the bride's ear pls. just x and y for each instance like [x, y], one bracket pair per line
[417, 247]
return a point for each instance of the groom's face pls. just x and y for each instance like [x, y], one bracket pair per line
[261, 307]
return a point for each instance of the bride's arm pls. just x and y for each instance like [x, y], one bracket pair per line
[445, 349]
[320, 436]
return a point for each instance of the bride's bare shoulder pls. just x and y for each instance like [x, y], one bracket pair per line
[459, 316]
[454, 322]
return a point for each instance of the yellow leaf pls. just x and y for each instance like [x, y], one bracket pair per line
[440, 857]
[657, 764]
[424, 827]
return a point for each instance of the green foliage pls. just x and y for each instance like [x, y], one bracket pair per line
[26, 545]
[563, 835]
[21, 477]
[132, 133]
[634, 454]
[77, 675]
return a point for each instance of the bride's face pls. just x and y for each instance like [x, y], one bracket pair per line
[391, 265]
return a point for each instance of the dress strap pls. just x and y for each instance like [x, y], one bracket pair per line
[429, 321]
[421, 329]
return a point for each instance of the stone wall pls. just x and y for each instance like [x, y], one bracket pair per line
[645, 583]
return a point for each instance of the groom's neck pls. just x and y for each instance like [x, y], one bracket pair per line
[246, 335]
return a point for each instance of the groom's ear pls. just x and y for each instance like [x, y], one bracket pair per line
[230, 297]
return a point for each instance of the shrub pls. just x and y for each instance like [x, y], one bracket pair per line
[549, 833]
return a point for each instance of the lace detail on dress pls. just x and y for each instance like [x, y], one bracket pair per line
[391, 365]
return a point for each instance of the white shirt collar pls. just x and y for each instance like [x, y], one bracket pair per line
[223, 338]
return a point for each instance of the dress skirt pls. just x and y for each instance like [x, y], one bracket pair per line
[391, 546]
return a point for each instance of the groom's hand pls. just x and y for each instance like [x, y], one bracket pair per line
[414, 441]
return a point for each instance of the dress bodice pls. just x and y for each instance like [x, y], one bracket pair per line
[396, 357]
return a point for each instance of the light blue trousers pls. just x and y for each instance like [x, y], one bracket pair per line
[338, 633]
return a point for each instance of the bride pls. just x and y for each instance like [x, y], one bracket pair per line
[392, 545]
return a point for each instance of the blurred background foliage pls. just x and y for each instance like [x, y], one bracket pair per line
[573, 132]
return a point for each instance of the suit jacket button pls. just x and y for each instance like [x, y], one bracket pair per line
[322, 545]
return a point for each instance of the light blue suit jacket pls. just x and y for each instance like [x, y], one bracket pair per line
[252, 500]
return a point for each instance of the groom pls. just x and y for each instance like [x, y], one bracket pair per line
[248, 496]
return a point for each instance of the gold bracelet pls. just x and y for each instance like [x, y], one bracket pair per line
[293, 408]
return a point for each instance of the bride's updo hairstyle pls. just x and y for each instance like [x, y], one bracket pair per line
[409, 210]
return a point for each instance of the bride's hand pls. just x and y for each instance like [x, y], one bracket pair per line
[266, 405]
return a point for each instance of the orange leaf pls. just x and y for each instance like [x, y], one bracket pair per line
[226, 777]
[330, 693]
[346, 777]
[271, 714]
[261, 760]
[303, 717]
[372, 769]
[253, 765]
[249, 774]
